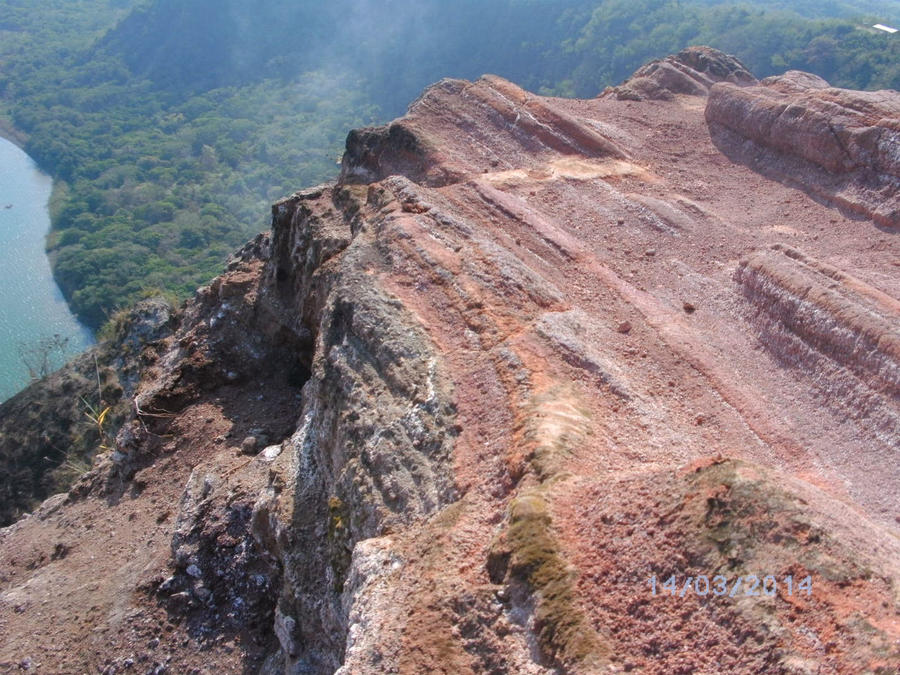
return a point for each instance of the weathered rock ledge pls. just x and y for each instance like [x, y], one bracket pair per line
[691, 71]
[838, 144]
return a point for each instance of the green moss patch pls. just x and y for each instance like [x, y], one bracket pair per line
[747, 523]
[563, 630]
[339, 548]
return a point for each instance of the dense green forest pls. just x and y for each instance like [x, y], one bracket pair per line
[170, 125]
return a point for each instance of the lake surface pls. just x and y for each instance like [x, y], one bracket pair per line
[32, 308]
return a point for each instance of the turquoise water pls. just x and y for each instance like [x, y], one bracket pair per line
[32, 308]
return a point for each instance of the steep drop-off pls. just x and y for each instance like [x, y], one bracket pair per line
[49, 432]
[457, 411]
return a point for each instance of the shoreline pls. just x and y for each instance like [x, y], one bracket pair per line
[57, 187]
[13, 135]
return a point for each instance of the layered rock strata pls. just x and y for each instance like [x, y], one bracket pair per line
[841, 145]
[691, 71]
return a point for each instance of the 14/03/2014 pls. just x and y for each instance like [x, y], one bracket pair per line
[750, 584]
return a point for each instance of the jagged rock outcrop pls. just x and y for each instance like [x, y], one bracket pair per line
[691, 71]
[461, 410]
[840, 145]
[374, 446]
[504, 126]
[47, 437]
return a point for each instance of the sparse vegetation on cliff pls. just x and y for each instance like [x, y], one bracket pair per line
[564, 631]
[51, 431]
[528, 553]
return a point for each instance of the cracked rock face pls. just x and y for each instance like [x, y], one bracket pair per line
[459, 408]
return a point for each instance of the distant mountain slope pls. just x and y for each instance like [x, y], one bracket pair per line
[819, 9]
[205, 44]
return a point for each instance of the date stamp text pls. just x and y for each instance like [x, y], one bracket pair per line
[746, 585]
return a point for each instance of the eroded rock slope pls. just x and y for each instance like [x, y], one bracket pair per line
[843, 146]
[460, 409]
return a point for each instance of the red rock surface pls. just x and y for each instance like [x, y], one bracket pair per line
[551, 348]
[842, 145]
[691, 71]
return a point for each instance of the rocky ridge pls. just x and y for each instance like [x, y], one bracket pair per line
[457, 410]
[691, 71]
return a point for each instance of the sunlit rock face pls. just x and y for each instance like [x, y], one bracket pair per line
[842, 145]
[691, 71]
[521, 392]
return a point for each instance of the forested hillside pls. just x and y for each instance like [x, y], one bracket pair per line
[170, 125]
